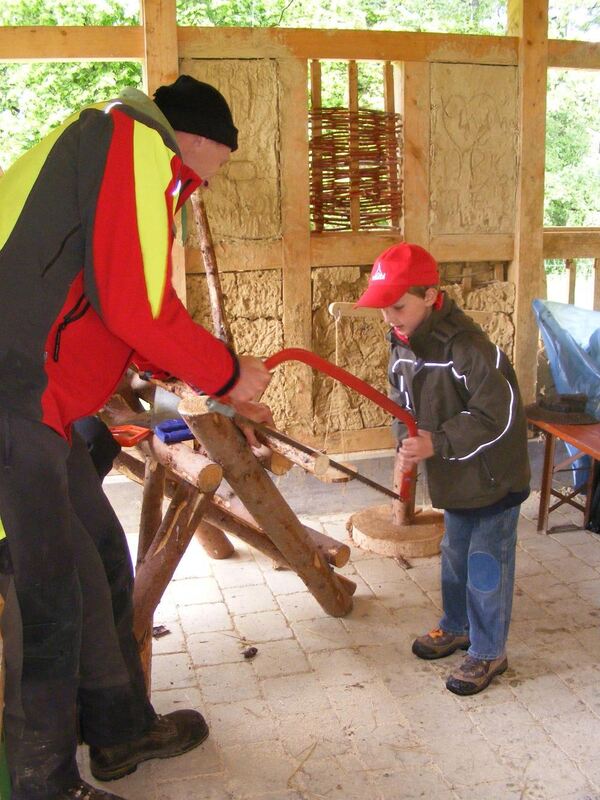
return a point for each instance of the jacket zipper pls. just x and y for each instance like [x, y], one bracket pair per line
[73, 315]
[61, 248]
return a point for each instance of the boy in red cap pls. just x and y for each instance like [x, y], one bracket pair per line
[472, 438]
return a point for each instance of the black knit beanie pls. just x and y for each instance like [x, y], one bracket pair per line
[196, 107]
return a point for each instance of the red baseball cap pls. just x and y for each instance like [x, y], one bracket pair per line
[395, 271]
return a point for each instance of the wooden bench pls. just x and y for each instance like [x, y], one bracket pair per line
[586, 438]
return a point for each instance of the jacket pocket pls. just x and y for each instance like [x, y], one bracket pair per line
[487, 471]
[75, 313]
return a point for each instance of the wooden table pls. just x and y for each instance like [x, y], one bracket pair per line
[586, 438]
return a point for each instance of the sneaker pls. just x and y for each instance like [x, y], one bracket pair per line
[83, 791]
[439, 644]
[474, 674]
[169, 735]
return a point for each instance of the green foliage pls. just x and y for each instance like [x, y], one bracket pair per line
[572, 190]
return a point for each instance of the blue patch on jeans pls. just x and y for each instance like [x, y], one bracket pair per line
[484, 572]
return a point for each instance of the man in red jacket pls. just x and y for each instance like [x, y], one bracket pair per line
[86, 228]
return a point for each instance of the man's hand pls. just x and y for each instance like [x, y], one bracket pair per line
[414, 449]
[254, 379]
[259, 412]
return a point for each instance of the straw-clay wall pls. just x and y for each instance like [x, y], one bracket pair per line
[473, 172]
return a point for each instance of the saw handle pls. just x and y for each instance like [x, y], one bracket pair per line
[360, 386]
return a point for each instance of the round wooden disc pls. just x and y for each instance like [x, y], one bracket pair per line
[373, 529]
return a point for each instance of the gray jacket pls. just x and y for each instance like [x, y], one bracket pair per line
[462, 389]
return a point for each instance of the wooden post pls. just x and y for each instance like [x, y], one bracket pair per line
[596, 305]
[317, 174]
[571, 266]
[528, 19]
[389, 99]
[415, 105]
[295, 221]
[354, 146]
[228, 447]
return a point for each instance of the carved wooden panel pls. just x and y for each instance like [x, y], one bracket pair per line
[474, 155]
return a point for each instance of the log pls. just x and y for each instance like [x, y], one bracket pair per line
[315, 463]
[213, 540]
[227, 447]
[152, 502]
[182, 461]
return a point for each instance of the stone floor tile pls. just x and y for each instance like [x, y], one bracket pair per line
[544, 587]
[588, 590]
[588, 552]
[240, 573]
[571, 570]
[327, 633]
[337, 778]
[427, 577]
[547, 696]
[171, 642]
[461, 762]
[572, 539]
[527, 564]
[283, 581]
[219, 647]
[249, 599]
[256, 768]
[264, 626]
[431, 713]
[542, 547]
[546, 771]
[240, 722]
[576, 733]
[392, 746]
[171, 671]
[283, 657]
[167, 700]
[527, 608]
[294, 694]
[364, 705]
[319, 734]
[228, 683]
[341, 667]
[194, 563]
[299, 606]
[191, 591]
[201, 760]
[378, 570]
[205, 618]
[207, 787]
[400, 594]
[424, 783]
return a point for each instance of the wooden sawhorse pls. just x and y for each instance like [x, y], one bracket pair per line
[586, 438]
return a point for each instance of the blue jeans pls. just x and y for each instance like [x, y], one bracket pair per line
[478, 574]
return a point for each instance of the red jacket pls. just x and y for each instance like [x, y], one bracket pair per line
[86, 228]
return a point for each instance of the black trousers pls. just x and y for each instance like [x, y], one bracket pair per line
[67, 579]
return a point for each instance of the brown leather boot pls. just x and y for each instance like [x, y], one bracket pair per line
[475, 674]
[83, 791]
[169, 735]
[439, 644]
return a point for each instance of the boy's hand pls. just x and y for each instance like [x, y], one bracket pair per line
[414, 449]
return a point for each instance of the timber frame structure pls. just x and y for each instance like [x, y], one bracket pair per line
[161, 46]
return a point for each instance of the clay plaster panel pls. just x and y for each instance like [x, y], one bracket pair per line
[474, 128]
[243, 200]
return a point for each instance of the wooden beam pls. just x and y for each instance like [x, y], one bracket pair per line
[348, 248]
[416, 104]
[295, 222]
[354, 166]
[126, 43]
[573, 55]
[530, 19]
[472, 247]
[308, 43]
[72, 43]
[159, 20]
[571, 242]
[241, 255]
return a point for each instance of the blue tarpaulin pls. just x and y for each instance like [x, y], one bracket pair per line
[571, 337]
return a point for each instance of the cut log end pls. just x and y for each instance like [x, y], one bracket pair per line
[374, 529]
